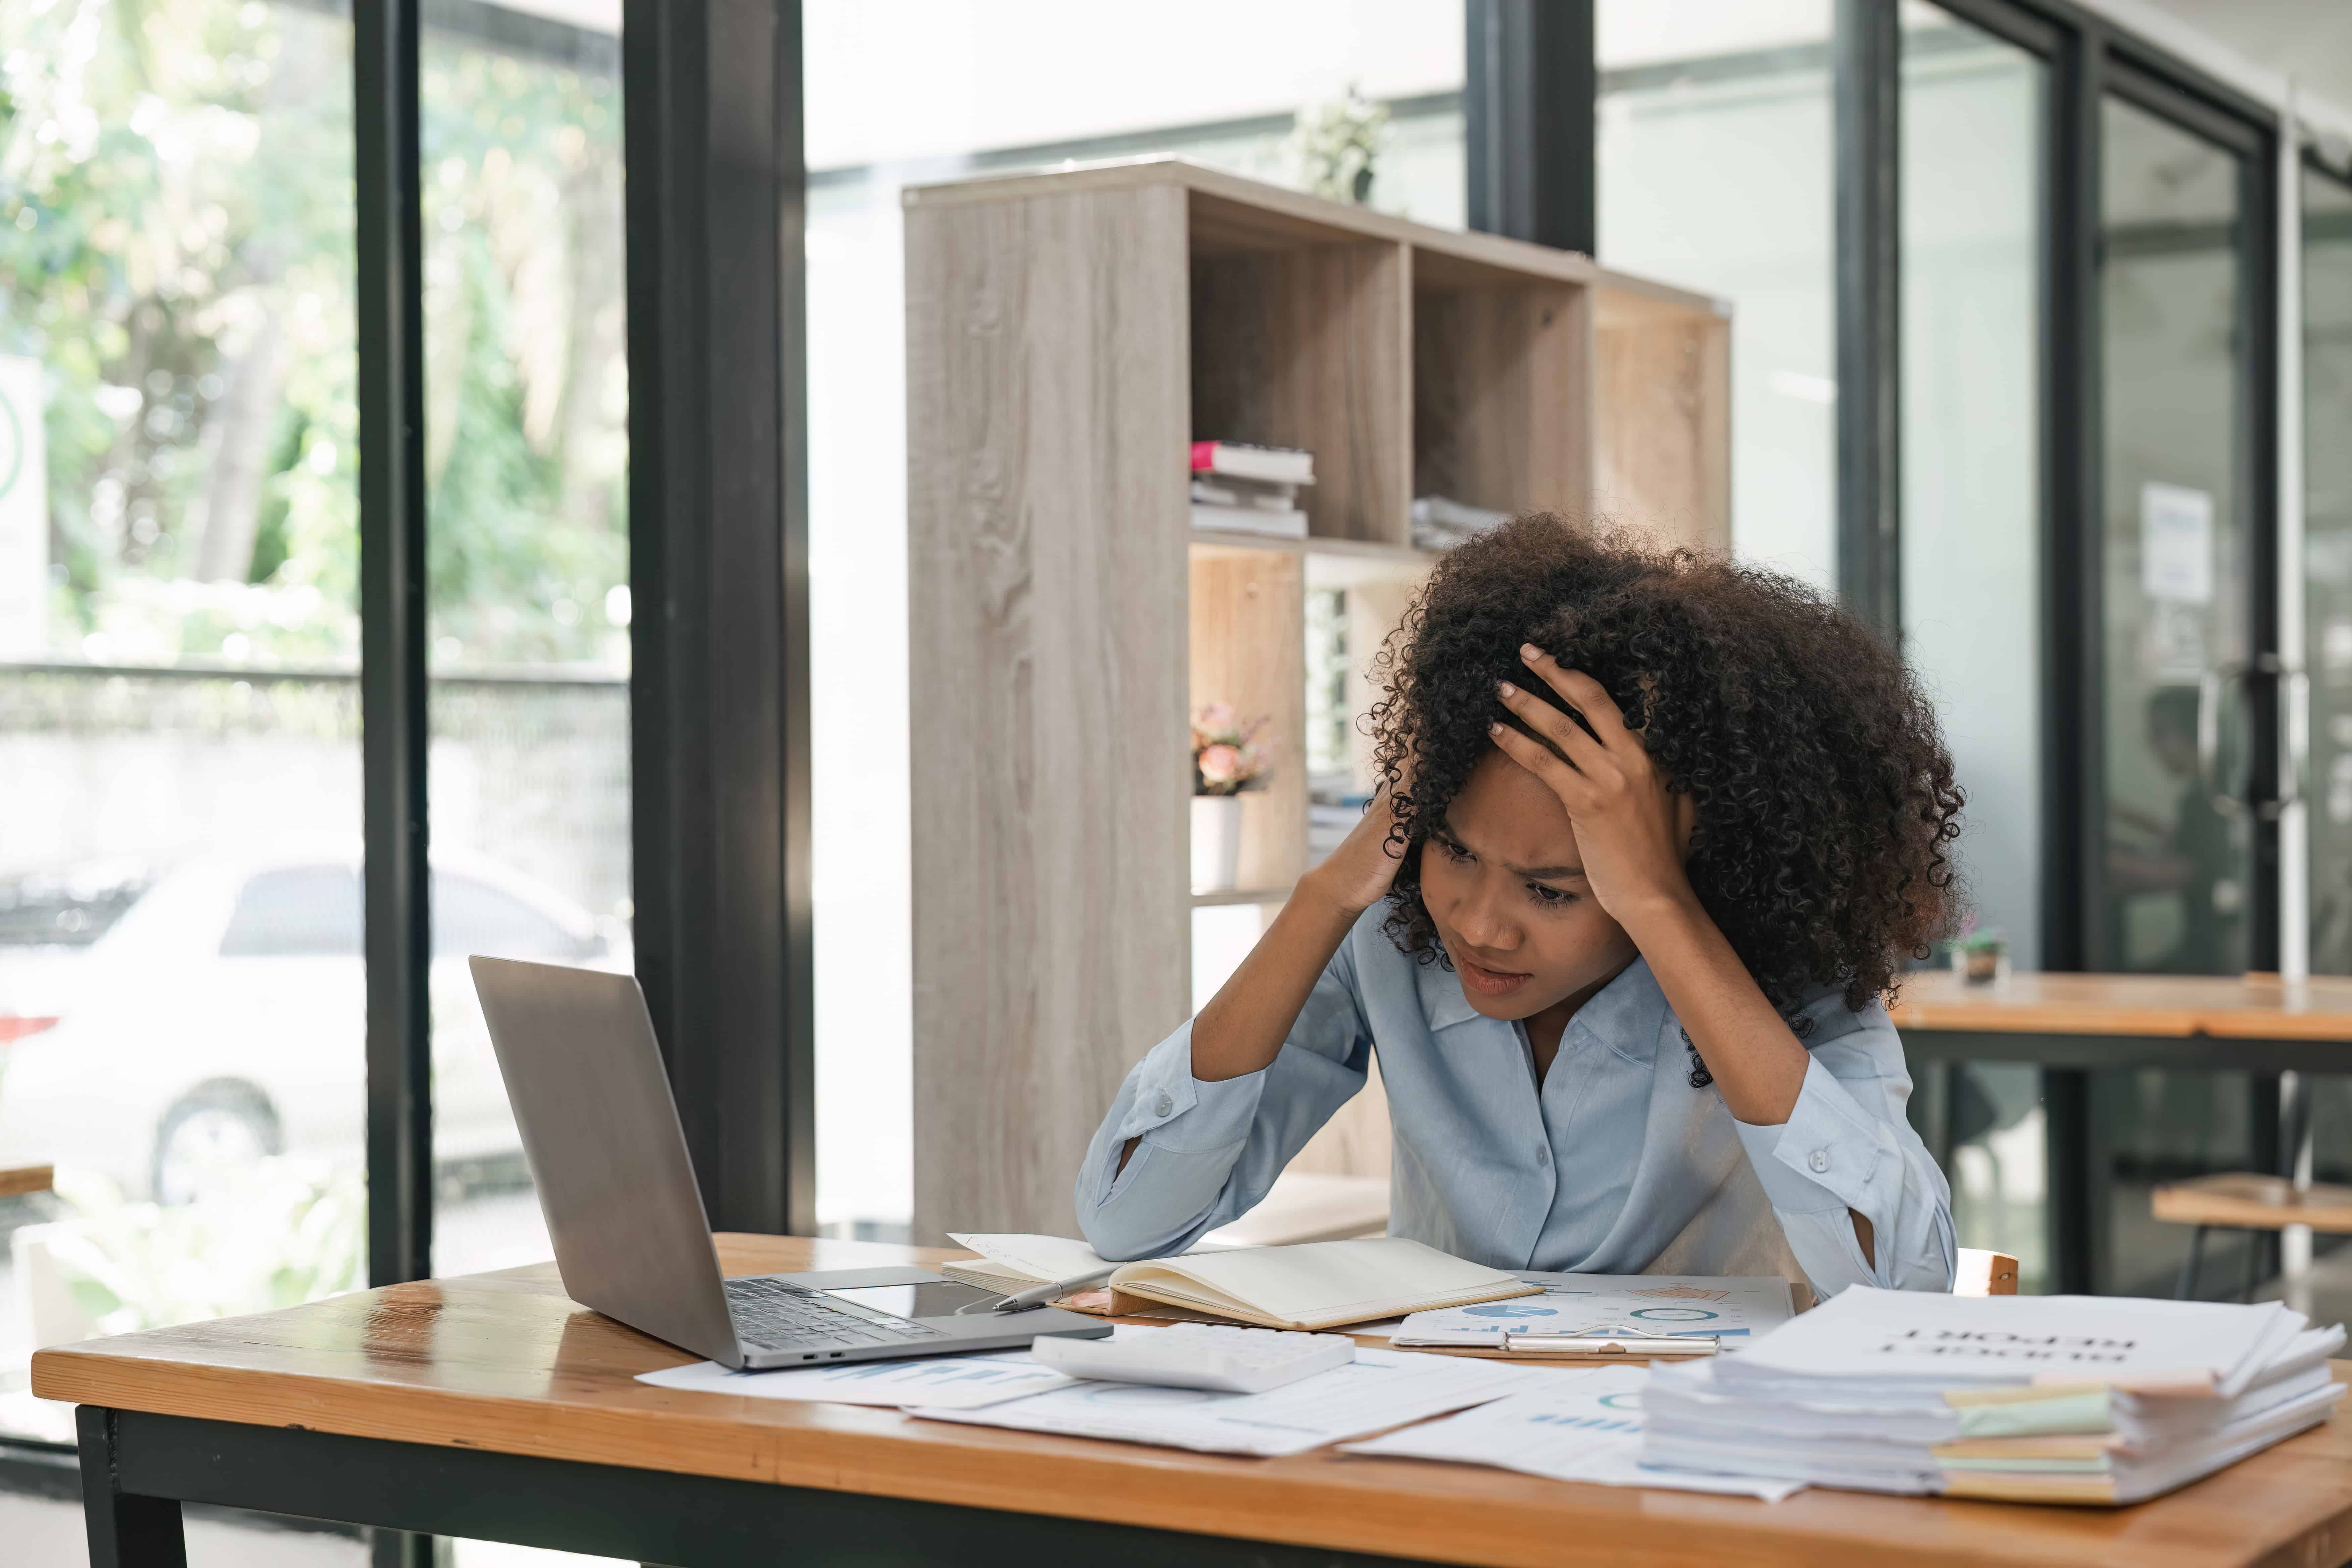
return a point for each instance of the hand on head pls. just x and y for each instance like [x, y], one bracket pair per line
[1634, 832]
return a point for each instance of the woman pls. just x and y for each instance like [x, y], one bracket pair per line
[1654, 834]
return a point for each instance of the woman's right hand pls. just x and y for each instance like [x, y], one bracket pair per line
[1359, 873]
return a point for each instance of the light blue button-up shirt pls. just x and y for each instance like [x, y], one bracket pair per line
[1597, 1171]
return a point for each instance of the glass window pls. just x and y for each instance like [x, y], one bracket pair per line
[1971, 181]
[306, 911]
[2176, 581]
[526, 422]
[906, 91]
[180, 986]
[2328, 625]
[1713, 166]
[471, 917]
[2327, 558]
[2176, 594]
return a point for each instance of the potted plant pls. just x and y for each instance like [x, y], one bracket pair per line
[1228, 759]
[1979, 957]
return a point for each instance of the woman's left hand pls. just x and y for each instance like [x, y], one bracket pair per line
[1632, 831]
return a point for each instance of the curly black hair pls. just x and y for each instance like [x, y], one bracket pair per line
[1824, 791]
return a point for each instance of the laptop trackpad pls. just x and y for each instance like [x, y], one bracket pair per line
[937, 1299]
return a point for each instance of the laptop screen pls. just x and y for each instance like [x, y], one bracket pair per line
[932, 1301]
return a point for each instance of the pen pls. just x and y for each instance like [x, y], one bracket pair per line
[1038, 1295]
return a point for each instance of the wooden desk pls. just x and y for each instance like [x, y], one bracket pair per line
[15, 1181]
[491, 1408]
[2257, 1022]
[2071, 1025]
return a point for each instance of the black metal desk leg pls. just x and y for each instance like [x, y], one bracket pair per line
[125, 1531]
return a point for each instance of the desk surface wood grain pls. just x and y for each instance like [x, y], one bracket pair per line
[504, 1362]
[2243, 1007]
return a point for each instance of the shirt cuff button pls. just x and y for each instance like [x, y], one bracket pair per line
[1164, 1106]
[1818, 1160]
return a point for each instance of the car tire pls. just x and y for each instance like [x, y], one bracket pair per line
[210, 1131]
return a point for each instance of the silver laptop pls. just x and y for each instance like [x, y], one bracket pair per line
[582, 1071]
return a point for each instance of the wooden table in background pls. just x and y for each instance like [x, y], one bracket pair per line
[2072, 1024]
[15, 1181]
[492, 1408]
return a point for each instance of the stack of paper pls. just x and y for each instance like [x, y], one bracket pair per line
[1570, 1427]
[2049, 1398]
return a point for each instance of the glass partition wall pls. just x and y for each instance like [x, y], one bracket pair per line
[526, 395]
[180, 987]
[2180, 589]
[2327, 609]
[1974, 114]
[1713, 170]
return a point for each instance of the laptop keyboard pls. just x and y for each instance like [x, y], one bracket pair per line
[771, 1315]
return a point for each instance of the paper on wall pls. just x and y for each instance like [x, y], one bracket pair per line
[1378, 1389]
[2176, 544]
[1578, 1426]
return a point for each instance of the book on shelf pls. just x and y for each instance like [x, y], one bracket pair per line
[1266, 496]
[1240, 460]
[1439, 523]
[1291, 524]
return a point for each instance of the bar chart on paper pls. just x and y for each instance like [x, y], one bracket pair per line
[1733, 1311]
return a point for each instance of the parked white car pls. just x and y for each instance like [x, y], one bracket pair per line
[223, 1019]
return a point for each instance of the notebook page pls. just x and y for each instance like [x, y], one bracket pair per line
[1377, 1276]
[1043, 1258]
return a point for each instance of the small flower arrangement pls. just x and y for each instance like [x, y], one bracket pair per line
[1227, 755]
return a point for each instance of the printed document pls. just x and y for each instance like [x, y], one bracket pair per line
[942, 1382]
[1680, 1305]
[1578, 1426]
[1898, 1340]
[1378, 1389]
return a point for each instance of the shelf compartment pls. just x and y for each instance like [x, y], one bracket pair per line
[1502, 404]
[1306, 346]
[1248, 629]
[1661, 426]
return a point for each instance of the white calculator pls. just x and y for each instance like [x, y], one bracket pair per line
[1199, 1355]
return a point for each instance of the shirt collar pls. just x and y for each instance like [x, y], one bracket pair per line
[1441, 1002]
[1629, 1013]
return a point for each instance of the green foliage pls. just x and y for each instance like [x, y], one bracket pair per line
[283, 1232]
[177, 248]
[1339, 145]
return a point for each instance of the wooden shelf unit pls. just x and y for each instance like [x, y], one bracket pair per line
[1067, 335]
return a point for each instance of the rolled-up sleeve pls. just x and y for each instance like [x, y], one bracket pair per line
[1847, 1145]
[1210, 1150]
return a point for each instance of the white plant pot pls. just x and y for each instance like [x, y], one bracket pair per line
[1216, 843]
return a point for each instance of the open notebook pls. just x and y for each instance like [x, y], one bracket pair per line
[1320, 1284]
